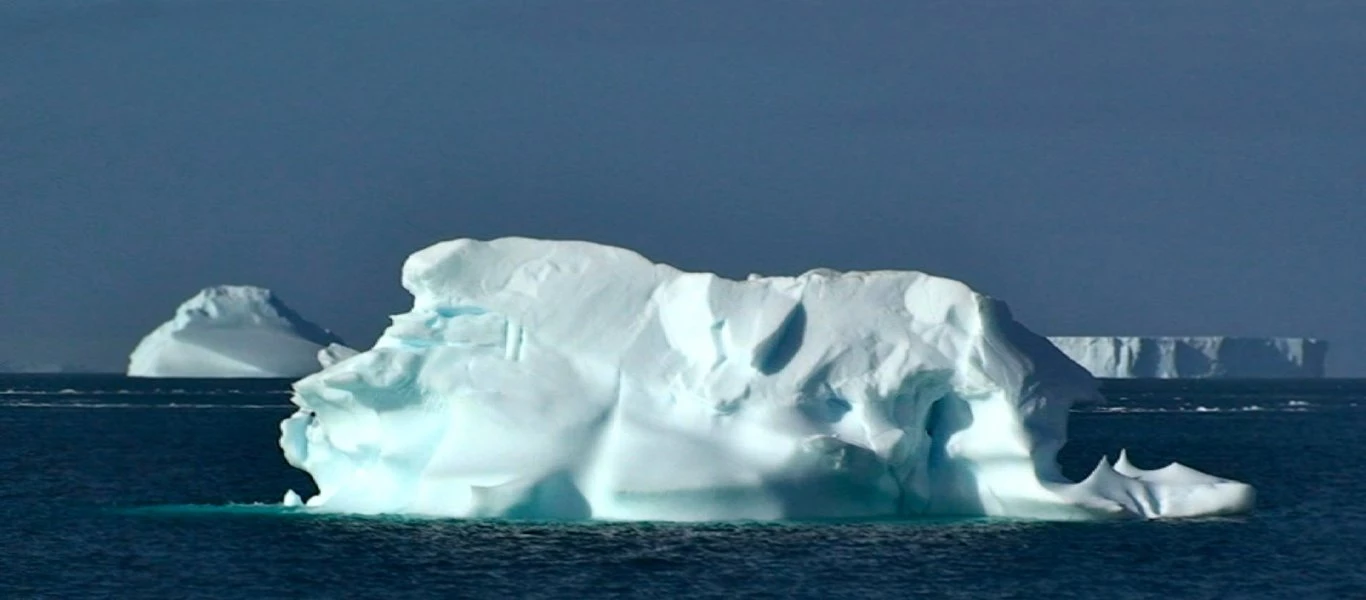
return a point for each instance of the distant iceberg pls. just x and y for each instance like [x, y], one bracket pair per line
[35, 368]
[232, 331]
[1196, 357]
[570, 380]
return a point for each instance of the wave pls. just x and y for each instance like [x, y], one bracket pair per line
[233, 508]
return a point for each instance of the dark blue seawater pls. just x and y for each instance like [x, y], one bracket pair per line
[111, 487]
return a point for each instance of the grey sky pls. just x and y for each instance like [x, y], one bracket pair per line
[1105, 167]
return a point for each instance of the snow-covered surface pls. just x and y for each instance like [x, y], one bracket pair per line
[232, 331]
[1196, 357]
[572, 380]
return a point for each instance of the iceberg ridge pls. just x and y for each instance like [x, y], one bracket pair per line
[572, 380]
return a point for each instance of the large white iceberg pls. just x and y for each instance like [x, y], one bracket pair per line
[571, 380]
[1196, 357]
[232, 331]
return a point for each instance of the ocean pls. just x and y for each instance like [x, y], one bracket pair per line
[124, 488]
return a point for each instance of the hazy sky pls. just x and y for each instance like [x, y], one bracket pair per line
[1105, 167]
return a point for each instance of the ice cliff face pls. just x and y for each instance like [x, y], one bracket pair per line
[232, 331]
[1195, 357]
[572, 380]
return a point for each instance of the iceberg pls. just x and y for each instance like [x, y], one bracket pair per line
[570, 380]
[1196, 357]
[232, 331]
[35, 367]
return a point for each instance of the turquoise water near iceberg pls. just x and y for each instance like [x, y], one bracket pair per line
[121, 488]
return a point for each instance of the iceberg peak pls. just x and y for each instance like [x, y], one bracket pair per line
[232, 331]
